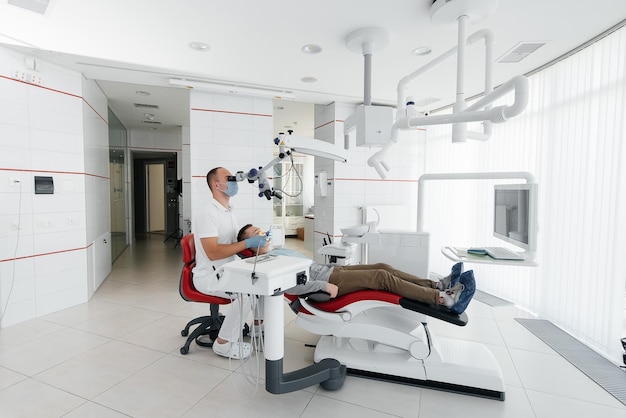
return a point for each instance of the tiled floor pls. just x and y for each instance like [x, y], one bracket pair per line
[118, 356]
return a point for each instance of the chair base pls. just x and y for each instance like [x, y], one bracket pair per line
[208, 325]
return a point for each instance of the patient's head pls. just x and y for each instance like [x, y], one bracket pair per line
[250, 230]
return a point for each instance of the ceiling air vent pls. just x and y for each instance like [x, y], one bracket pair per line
[145, 106]
[37, 6]
[520, 51]
[153, 122]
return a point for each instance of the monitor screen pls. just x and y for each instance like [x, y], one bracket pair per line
[515, 214]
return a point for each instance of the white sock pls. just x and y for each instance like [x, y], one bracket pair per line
[447, 299]
[222, 347]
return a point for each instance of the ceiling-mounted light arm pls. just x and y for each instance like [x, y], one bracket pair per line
[498, 114]
[367, 41]
[487, 35]
[518, 84]
[446, 11]
[404, 82]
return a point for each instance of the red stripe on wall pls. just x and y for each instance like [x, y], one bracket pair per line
[231, 112]
[22, 170]
[57, 91]
[44, 254]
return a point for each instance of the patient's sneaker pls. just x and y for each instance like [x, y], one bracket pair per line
[451, 296]
[451, 279]
[469, 287]
[234, 350]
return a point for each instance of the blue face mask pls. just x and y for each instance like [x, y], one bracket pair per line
[232, 189]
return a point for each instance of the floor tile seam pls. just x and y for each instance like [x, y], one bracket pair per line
[323, 395]
[618, 408]
[34, 378]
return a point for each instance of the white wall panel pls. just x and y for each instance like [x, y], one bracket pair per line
[60, 142]
[12, 113]
[55, 130]
[62, 299]
[235, 133]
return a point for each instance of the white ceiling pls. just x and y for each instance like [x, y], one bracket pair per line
[140, 44]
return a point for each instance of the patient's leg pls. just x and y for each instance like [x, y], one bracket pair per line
[395, 272]
[350, 280]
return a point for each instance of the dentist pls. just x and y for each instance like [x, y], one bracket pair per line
[215, 236]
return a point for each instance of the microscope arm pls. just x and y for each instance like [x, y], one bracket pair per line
[286, 146]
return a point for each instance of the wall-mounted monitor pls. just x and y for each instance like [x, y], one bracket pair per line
[515, 214]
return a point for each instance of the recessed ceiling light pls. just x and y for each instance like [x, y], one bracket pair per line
[422, 50]
[142, 93]
[308, 79]
[199, 46]
[148, 115]
[311, 49]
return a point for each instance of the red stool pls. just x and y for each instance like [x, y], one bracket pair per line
[208, 325]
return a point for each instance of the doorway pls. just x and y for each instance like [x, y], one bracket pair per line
[154, 194]
[155, 197]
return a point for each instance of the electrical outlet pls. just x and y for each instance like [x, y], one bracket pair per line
[27, 77]
[21, 75]
[35, 79]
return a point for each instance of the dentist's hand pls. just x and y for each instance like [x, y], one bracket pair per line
[256, 241]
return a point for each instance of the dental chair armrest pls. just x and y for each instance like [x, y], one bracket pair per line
[435, 311]
[338, 316]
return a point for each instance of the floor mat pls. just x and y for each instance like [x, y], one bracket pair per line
[490, 300]
[606, 374]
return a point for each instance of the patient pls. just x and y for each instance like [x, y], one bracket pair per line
[332, 280]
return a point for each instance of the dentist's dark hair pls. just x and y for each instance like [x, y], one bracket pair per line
[211, 176]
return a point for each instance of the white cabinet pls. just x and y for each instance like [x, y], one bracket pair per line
[288, 211]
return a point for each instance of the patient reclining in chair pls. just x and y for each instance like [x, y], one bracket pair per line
[330, 281]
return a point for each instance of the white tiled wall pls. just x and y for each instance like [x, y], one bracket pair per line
[235, 133]
[354, 184]
[57, 128]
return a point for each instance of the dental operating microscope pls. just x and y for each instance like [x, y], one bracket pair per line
[286, 146]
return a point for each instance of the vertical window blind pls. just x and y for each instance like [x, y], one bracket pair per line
[572, 138]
